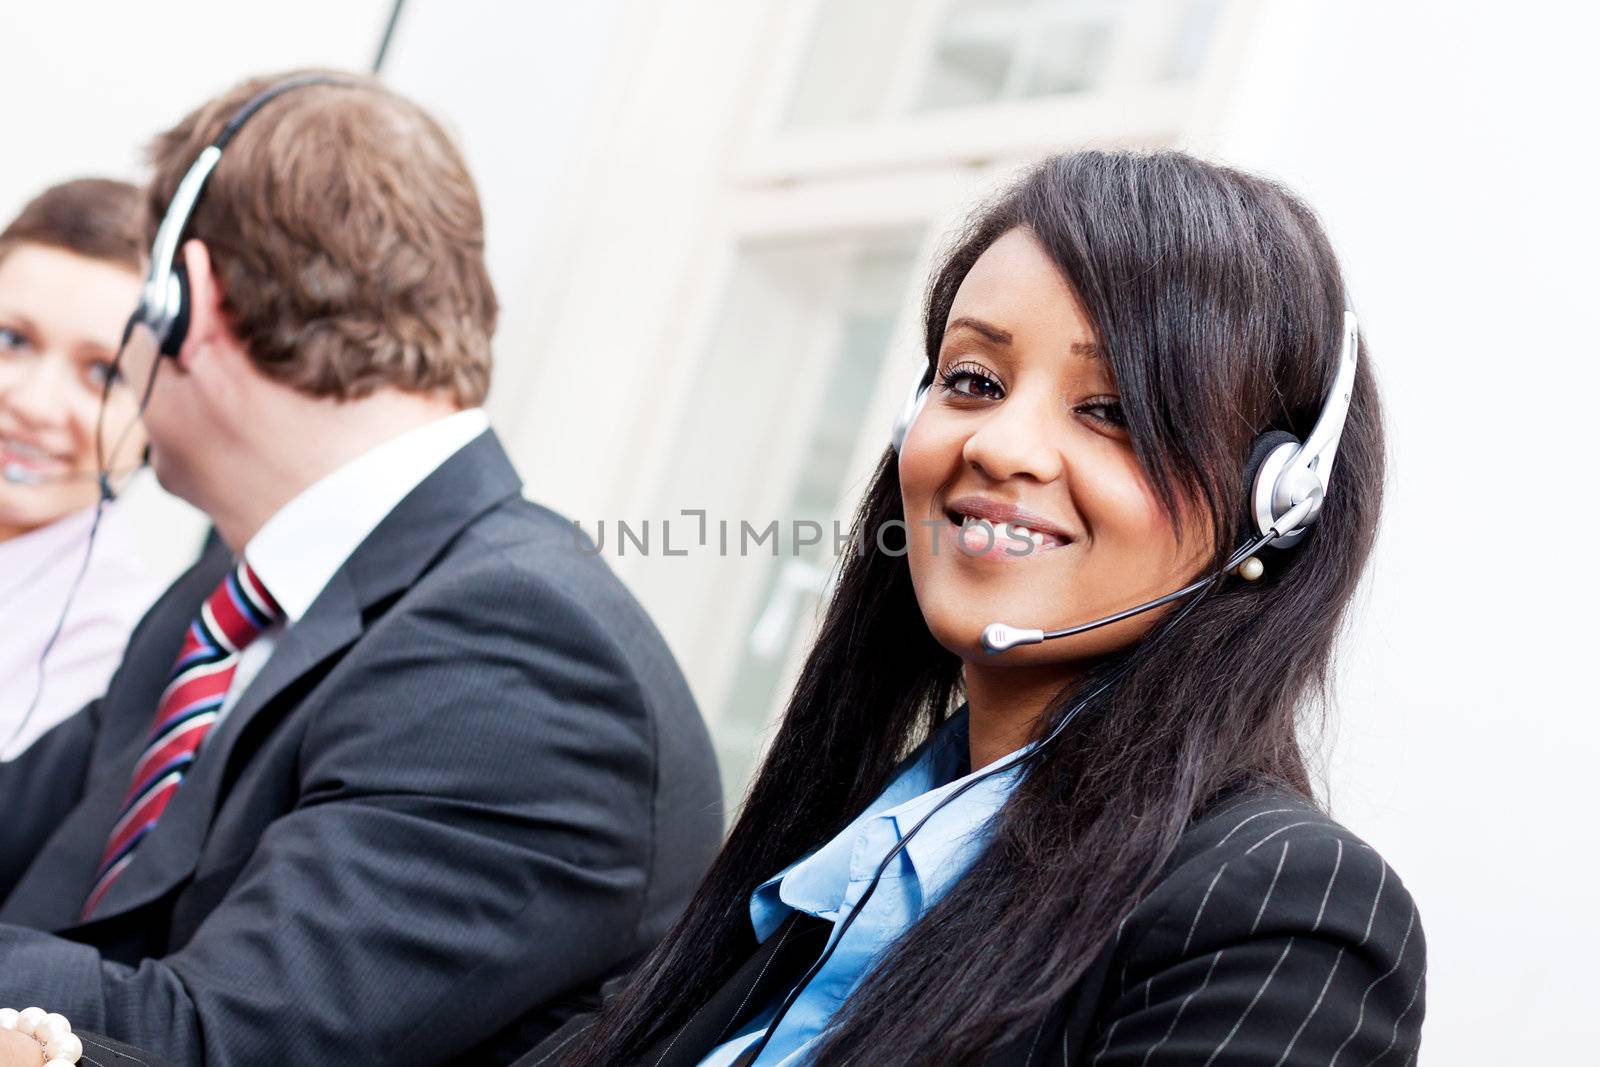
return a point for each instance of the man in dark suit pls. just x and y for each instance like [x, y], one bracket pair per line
[398, 772]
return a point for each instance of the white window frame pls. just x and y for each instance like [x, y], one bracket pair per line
[1125, 110]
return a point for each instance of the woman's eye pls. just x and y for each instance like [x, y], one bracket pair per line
[100, 372]
[972, 381]
[11, 340]
[1106, 411]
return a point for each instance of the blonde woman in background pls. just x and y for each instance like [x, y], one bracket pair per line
[70, 268]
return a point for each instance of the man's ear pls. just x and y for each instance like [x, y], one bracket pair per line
[207, 323]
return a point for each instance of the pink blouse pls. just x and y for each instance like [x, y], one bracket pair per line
[36, 571]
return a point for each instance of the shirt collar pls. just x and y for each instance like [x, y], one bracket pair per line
[304, 544]
[943, 849]
[938, 854]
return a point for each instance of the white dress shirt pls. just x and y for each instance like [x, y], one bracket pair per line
[304, 544]
[37, 570]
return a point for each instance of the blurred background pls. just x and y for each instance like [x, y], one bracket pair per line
[710, 222]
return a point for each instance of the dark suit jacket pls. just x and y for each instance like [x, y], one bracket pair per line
[1274, 936]
[468, 784]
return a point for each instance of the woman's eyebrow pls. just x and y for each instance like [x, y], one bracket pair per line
[1087, 349]
[93, 351]
[992, 333]
[16, 319]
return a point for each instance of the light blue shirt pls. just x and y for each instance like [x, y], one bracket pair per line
[829, 883]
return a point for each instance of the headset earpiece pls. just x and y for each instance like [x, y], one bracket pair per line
[172, 343]
[1269, 456]
[1260, 449]
[1284, 475]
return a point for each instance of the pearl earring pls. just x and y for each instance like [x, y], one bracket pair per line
[1251, 569]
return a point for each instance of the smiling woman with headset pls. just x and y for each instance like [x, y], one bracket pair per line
[70, 265]
[973, 843]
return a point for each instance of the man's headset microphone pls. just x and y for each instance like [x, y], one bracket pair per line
[155, 331]
[1287, 481]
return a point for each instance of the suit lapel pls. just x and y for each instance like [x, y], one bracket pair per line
[172, 850]
[391, 559]
[770, 971]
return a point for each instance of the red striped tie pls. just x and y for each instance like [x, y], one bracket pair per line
[232, 617]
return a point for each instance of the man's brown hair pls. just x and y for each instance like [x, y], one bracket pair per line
[347, 236]
[96, 218]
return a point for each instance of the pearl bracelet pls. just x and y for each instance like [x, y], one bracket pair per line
[62, 1048]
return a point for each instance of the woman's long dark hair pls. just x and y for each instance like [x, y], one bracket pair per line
[1219, 304]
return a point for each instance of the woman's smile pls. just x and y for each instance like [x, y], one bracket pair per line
[15, 452]
[984, 528]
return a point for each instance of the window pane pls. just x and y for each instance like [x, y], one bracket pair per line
[993, 50]
[1191, 39]
[849, 68]
[860, 323]
[974, 53]
[1070, 58]
[869, 61]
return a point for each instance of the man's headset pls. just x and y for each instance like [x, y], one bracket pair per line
[158, 326]
[163, 310]
[1287, 481]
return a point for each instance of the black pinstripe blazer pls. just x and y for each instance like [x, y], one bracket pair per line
[1273, 937]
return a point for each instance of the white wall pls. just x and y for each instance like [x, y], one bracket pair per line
[1449, 147]
[520, 87]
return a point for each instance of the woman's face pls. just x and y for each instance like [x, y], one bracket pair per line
[1024, 503]
[61, 319]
